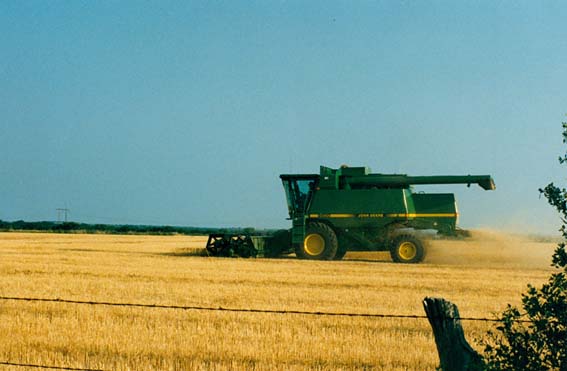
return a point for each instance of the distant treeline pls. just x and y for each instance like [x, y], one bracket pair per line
[72, 227]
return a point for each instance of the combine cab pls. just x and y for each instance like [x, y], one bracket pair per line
[352, 209]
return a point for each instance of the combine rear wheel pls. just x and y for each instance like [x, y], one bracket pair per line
[407, 249]
[320, 243]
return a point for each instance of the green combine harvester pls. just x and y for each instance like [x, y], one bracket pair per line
[352, 209]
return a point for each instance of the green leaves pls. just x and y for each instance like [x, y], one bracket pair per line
[536, 338]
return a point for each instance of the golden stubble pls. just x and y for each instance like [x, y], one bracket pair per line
[481, 276]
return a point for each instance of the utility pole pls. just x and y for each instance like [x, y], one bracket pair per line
[64, 211]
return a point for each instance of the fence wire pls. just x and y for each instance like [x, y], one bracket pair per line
[244, 310]
[29, 365]
[205, 308]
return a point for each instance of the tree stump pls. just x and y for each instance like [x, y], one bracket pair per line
[455, 353]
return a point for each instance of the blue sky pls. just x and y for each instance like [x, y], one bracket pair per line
[185, 113]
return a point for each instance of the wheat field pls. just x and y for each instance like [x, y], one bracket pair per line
[481, 276]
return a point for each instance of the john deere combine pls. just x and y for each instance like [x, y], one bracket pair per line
[352, 209]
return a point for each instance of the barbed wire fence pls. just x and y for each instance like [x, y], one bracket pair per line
[209, 308]
[46, 367]
[246, 310]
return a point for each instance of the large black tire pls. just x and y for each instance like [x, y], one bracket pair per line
[407, 248]
[320, 243]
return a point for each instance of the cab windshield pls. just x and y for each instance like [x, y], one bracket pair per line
[298, 194]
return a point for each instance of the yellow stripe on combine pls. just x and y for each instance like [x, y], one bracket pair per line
[416, 215]
[423, 215]
[333, 215]
[434, 215]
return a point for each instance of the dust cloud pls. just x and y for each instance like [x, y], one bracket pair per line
[489, 248]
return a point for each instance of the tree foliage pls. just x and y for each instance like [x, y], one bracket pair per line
[535, 338]
[73, 227]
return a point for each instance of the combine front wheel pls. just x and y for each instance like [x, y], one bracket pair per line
[407, 249]
[320, 243]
